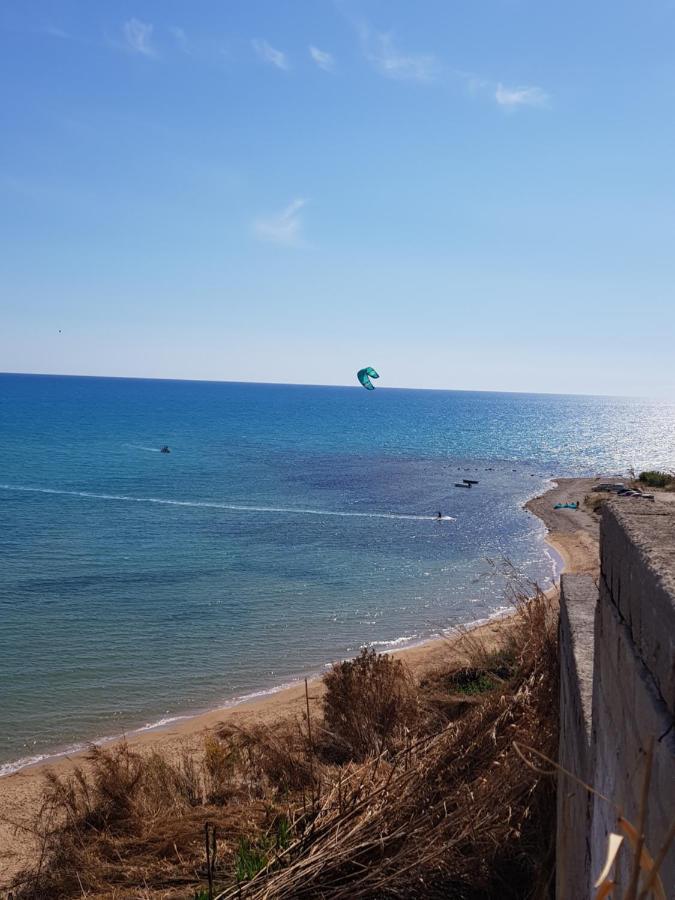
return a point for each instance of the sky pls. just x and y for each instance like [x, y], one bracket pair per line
[466, 195]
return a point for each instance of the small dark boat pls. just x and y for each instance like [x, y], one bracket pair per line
[469, 481]
[165, 449]
[457, 484]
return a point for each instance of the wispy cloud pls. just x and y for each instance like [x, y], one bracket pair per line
[284, 228]
[271, 55]
[55, 32]
[382, 53]
[513, 98]
[180, 38]
[138, 37]
[324, 60]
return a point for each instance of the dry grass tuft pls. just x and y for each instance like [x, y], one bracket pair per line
[272, 759]
[369, 705]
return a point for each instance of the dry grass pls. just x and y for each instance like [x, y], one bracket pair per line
[594, 502]
[370, 704]
[401, 790]
[273, 760]
[129, 822]
[453, 814]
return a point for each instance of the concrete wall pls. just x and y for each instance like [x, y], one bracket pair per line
[577, 615]
[617, 642]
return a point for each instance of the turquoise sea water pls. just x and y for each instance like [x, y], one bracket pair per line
[288, 526]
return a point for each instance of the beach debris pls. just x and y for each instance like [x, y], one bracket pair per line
[364, 376]
[574, 505]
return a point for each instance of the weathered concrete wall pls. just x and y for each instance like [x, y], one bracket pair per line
[577, 615]
[627, 659]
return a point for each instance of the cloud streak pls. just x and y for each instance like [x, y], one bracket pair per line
[138, 37]
[55, 32]
[180, 38]
[284, 228]
[324, 60]
[513, 98]
[269, 54]
[385, 57]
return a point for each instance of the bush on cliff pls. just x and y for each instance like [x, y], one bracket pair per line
[369, 703]
[657, 479]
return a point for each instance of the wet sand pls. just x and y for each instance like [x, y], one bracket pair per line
[573, 533]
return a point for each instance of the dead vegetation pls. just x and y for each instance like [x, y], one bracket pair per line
[399, 789]
[594, 502]
[370, 703]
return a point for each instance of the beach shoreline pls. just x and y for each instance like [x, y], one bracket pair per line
[572, 534]
[182, 721]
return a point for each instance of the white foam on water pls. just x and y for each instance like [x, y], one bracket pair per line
[236, 507]
[25, 762]
[395, 642]
[141, 447]
[161, 723]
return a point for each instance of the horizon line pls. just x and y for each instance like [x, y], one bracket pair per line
[325, 384]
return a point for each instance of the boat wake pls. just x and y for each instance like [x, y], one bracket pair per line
[140, 447]
[234, 507]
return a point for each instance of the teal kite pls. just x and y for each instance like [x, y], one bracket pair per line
[364, 376]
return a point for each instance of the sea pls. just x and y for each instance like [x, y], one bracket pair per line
[288, 527]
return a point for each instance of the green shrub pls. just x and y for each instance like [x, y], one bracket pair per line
[655, 478]
[486, 670]
[472, 681]
[251, 857]
[249, 860]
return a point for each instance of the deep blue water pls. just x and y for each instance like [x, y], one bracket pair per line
[288, 526]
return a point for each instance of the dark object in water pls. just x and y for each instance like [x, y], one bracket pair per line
[469, 481]
[165, 449]
[457, 484]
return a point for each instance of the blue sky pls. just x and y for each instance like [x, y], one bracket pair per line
[471, 195]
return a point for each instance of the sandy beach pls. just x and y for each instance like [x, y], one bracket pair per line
[572, 533]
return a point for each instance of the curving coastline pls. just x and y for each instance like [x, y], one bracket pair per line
[572, 534]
